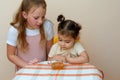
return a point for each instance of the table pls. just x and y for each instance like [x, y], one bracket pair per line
[43, 71]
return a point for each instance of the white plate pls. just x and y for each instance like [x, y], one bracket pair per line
[47, 62]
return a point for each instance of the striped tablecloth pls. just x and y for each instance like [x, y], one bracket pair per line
[70, 72]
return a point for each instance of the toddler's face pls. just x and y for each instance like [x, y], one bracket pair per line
[65, 42]
[35, 17]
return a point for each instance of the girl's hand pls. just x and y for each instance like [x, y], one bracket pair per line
[34, 61]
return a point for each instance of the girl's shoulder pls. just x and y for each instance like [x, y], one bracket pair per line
[47, 21]
[48, 24]
[48, 27]
[12, 36]
[13, 30]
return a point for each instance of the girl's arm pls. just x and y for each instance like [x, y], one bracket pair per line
[13, 58]
[82, 58]
[49, 45]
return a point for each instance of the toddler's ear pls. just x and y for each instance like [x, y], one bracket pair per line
[78, 38]
[24, 14]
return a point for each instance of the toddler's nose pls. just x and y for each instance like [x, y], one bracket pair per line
[63, 44]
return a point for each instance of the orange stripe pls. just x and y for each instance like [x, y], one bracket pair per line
[39, 68]
[60, 75]
[48, 65]
[86, 64]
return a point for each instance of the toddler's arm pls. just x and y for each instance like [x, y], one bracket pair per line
[58, 58]
[82, 58]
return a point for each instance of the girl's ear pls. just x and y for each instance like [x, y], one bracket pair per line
[24, 14]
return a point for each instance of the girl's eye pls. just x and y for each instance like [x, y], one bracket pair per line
[35, 17]
[43, 17]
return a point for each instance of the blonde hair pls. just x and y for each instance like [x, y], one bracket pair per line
[20, 23]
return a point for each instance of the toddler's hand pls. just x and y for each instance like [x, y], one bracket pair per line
[34, 61]
[59, 58]
[68, 57]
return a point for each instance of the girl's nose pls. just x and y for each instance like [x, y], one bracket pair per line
[40, 21]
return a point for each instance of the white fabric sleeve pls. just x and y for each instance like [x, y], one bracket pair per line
[53, 50]
[12, 36]
[79, 48]
[49, 32]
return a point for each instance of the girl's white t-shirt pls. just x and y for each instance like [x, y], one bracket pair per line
[13, 33]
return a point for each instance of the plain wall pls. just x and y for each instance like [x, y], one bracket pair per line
[100, 34]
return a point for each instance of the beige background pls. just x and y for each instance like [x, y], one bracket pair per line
[100, 34]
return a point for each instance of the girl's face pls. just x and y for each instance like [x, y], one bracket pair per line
[35, 17]
[65, 42]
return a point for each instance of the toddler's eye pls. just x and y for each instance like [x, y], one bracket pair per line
[67, 42]
[60, 40]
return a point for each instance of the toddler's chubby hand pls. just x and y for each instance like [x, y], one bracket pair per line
[59, 58]
[34, 61]
[68, 58]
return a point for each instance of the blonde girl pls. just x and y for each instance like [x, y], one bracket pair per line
[30, 36]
